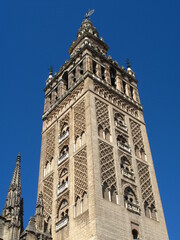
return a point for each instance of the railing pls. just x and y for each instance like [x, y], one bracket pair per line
[128, 174]
[124, 147]
[65, 135]
[132, 207]
[122, 126]
[62, 187]
[62, 158]
[62, 223]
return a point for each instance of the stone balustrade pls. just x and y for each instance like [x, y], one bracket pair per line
[63, 158]
[132, 207]
[128, 174]
[62, 223]
[62, 187]
[125, 147]
[64, 136]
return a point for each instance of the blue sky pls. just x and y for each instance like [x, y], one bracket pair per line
[36, 34]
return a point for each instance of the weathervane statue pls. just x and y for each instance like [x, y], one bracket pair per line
[89, 13]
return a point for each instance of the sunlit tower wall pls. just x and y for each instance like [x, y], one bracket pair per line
[96, 172]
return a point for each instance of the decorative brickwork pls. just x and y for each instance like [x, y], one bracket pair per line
[115, 99]
[48, 195]
[102, 114]
[79, 118]
[108, 175]
[136, 134]
[80, 173]
[145, 182]
[50, 144]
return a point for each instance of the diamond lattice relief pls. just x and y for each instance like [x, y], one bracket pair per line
[80, 173]
[79, 118]
[145, 182]
[48, 195]
[107, 164]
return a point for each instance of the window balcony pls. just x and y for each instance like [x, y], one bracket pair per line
[62, 223]
[63, 158]
[133, 207]
[62, 188]
[124, 147]
[64, 136]
[121, 126]
[128, 174]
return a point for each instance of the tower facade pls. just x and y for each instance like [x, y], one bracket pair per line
[96, 176]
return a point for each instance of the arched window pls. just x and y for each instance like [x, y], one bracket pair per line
[113, 77]
[121, 140]
[135, 234]
[64, 133]
[64, 154]
[105, 191]
[63, 210]
[100, 131]
[127, 170]
[153, 212]
[142, 154]
[83, 138]
[113, 194]
[129, 195]
[107, 135]
[118, 120]
[137, 152]
[146, 209]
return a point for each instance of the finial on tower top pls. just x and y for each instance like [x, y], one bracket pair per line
[51, 70]
[89, 13]
[128, 63]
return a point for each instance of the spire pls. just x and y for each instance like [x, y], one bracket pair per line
[88, 36]
[13, 199]
[16, 179]
[87, 27]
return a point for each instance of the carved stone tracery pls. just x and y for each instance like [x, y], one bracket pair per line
[108, 174]
[50, 145]
[136, 134]
[145, 182]
[115, 99]
[102, 114]
[79, 118]
[48, 195]
[80, 173]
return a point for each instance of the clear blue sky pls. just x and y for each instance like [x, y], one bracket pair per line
[37, 33]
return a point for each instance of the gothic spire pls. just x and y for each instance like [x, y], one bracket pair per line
[13, 199]
[16, 179]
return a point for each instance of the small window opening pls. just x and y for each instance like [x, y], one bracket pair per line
[81, 68]
[74, 74]
[131, 90]
[94, 67]
[103, 73]
[113, 77]
[124, 87]
[135, 234]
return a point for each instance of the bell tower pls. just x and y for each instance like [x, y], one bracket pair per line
[96, 176]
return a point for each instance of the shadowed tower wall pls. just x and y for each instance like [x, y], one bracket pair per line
[96, 172]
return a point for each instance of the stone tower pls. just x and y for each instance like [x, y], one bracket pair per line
[11, 219]
[96, 176]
